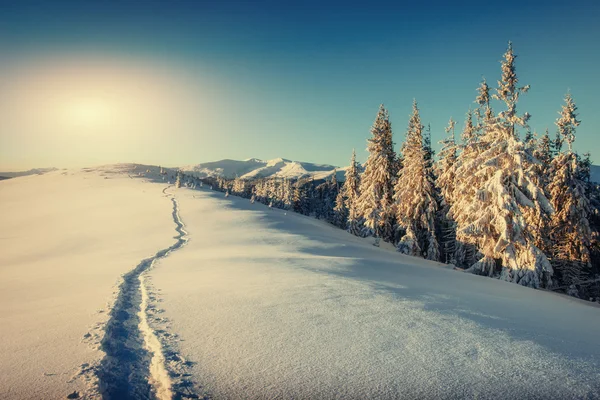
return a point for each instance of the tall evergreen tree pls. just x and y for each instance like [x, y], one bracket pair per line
[340, 212]
[568, 123]
[484, 112]
[416, 206]
[446, 178]
[352, 192]
[497, 196]
[571, 232]
[509, 92]
[376, 186]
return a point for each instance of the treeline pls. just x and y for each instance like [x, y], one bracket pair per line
[500, 201]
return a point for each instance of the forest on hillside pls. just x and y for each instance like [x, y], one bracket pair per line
[500, 200]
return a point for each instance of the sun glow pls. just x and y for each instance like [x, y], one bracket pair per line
[100, 108]
[87, 113]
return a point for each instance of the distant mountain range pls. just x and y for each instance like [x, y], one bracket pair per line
[34, 171]
[255, 168]
[282, 168]
[251, 168]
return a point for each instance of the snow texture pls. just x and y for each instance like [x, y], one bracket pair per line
[260, 303]
[271, 304]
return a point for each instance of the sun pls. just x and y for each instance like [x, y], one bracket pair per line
[87, 113]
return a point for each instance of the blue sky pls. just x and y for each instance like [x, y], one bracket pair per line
[299, 80]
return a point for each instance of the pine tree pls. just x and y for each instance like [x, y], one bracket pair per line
[497, 200]
[352, 193]
[469, 133]
[497, 197]
[178, 180]
[446, 163]
[571, 232]
[484, 112]
[288, 194]
[340, 216]
[568, 123]
[543, 151]
[446, 171]
[376, 186]
[416, 206]
[509, 92]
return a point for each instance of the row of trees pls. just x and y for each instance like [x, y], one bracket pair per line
[501, 201]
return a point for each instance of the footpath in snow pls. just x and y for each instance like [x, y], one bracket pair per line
[67, 237]
[268, 304]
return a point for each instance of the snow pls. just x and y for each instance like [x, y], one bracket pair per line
[270, 304]
[66, 239]
[258, 303]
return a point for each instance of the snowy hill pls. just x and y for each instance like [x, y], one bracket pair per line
[259, 303]
[34, 171]
[595, 173]
[255, 168]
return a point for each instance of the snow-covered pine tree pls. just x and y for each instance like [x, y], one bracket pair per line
[509, 92]
[332, 194]
[543, 153]
[484, 112]
[302, 197]
[571, 232]
[539, 164]
[568, 123]
[340, 212]
[376, 185]
[414, 193]
[351, 193]
[178, 180]
[288, 194]
[497, 197]
[446, 178]
[446, 163]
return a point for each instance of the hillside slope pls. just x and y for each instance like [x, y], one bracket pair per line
[272, 304]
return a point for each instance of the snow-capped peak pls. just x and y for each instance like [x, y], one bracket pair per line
[256, 168]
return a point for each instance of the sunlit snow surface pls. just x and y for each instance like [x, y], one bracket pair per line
[263, 303]
[270, 304]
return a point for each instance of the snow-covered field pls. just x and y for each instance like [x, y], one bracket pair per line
[258, 303]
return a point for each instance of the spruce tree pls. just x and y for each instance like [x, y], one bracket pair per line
[376, 186]
[497, 196]
[509, 92]
[414, 193]
[351, 192]
[571, 232]
[484, 112]
[446, 178]
[340, 212]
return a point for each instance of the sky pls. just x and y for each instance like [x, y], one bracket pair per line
[182, 82]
